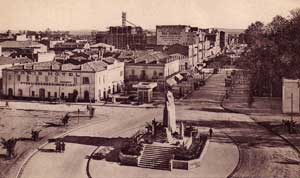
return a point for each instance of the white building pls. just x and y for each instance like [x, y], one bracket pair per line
[17, 45]
[290, 95]
[21, 37]
[175, 34]
[91, 81]
[43, 57]
[152, 67]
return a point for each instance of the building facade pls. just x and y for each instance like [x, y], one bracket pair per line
[290, 95]
[153, 67]
[123, 37]
[92, 81]
[176, 34]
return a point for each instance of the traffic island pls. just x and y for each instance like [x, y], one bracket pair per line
[165, 145]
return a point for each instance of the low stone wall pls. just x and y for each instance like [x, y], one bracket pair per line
[130, 160]
[186, 165]
[178, 164]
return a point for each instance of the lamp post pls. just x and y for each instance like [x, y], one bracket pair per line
[292, 106]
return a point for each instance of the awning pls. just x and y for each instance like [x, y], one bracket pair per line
[179, 77]
[171, 81]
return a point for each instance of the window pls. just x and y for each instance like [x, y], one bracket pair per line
[49, 73]
[55, 94]
[143, 74]
[9, 77]
[46, 79]
[40, 73]
[56, 79]
[154, 73]
[85, 80]
[20, 92]
[27, 78]
[70, 74]
[160, 74]
[49, 94]
[37, 78]
[32, 93]
[75, 80]
[18, 77]
[56, 73]
[121, 73]
[132, 72]
[63, 73]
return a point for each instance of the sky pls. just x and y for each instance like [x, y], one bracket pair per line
[99, 14]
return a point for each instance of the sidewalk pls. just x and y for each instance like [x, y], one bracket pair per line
[264, 111]
[67, 107]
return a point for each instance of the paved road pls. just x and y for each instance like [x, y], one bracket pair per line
[261, 153]
[72, 163]
[124, 122]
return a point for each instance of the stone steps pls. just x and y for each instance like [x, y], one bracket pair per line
[156, 157]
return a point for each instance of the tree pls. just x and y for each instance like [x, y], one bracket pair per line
[9, 145]
[254, 33]
[273, 53]
[35, 134]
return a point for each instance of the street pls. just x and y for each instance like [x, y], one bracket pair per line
[259, 153]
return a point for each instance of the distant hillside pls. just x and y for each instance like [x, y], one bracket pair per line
[80, 32]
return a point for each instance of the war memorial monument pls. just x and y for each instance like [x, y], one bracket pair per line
[165, 145]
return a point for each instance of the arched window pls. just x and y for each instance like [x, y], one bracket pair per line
[154, 73]
[20, 92]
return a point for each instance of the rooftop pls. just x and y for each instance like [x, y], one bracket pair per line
[103, 45]
[153, 58]
[19, 44]
[9, 60]
[93, 66]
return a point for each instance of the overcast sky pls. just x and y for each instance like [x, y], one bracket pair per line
[99, 14]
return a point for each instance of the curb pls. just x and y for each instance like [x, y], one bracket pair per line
[237, 167]
[26, 160]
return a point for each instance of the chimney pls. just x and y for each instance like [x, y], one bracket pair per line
[123, 19]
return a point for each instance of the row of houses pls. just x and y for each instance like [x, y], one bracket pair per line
[92, 80]
[203, 42]
[77, 70]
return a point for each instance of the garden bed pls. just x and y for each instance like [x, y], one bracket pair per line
[191, 158]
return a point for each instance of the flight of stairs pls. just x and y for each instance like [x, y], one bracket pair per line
[156, 157]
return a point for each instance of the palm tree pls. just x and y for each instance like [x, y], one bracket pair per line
[65, 119]
[9, 145]
[35, 134]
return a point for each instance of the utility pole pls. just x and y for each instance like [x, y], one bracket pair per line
[292, 103]
[271, 89]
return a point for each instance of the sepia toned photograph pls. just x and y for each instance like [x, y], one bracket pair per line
[149, 89]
